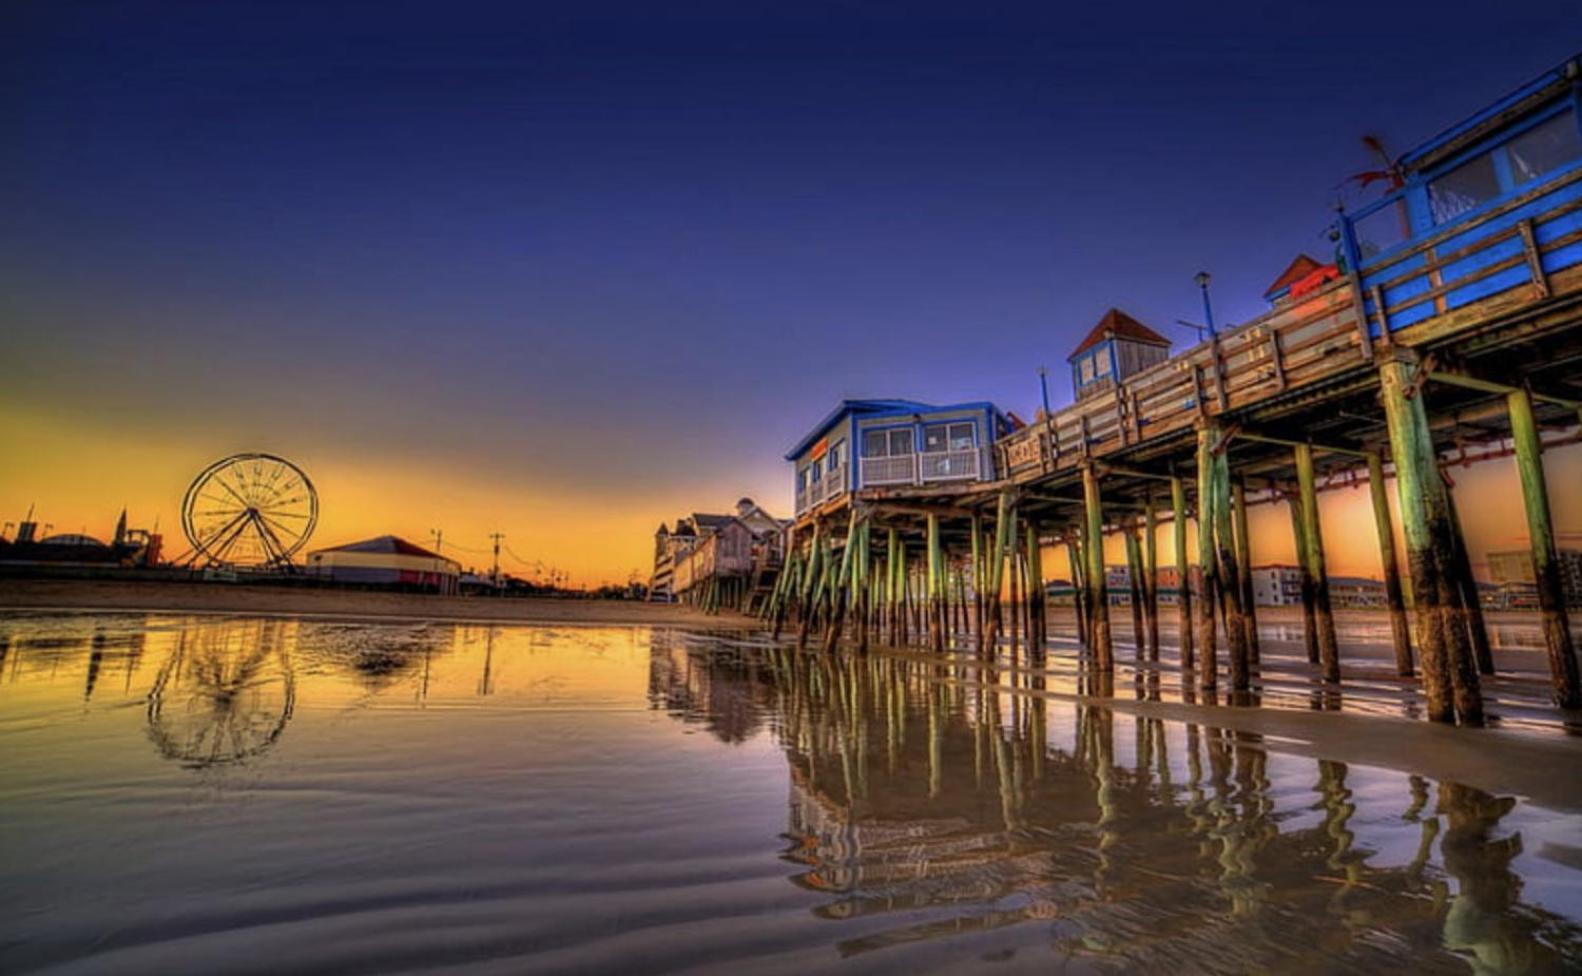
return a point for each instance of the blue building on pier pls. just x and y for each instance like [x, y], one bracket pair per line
[1490, 207]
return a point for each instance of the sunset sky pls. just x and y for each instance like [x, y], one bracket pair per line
[568, 271]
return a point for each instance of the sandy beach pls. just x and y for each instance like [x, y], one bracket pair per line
[350, 604]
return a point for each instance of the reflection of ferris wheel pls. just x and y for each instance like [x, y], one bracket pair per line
[224, 695]
[249, 510]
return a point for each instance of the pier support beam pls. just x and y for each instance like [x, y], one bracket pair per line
[1004, 514]
[1134, 579]
[1450, 678]
[1228, 571]
[1036, 598]
[1098, 592]
[1299, 542]
[1249, 613]
[1471, 601]
[1079, 589]
[1546, 567]
[1312, 557]
[936, 586]
[1400, 633]
[840, 587]
[1151, 578]
[892, 585]
[815, 570]
[977, 578]
[1183, 570]
[863, 587]
[1207, 436]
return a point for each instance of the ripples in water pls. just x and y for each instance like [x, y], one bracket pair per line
[248, 795]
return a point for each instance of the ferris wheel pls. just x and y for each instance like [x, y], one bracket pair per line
[249, 510]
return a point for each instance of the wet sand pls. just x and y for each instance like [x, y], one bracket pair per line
[232, 598]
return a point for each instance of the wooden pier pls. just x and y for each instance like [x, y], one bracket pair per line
[1461, 342]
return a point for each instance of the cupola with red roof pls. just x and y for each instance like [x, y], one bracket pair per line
[1302, 276]
[1117, 347]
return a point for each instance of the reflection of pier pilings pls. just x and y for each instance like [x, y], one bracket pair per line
[1131, 862]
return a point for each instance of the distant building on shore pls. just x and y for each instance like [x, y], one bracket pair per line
[386, 561]
[746, 548]
[128, 548]
[1515, 567]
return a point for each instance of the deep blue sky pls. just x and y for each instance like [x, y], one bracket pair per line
[584, 247]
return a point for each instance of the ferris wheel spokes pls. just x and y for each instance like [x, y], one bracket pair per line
[249, 510]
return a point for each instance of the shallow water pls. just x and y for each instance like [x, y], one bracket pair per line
[209, 794]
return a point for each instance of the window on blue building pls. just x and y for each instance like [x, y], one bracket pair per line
[1464, 188]
[938, 438]
[1382, 229]
[1101, 361]
[887, 443]
[1545, 147]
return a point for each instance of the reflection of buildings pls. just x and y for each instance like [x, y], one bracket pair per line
[719, 693]
[923, 806]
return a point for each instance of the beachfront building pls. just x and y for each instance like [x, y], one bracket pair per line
[387, 562]
[894, 443]
[1117, 347]
[1277, 586]
[1515, 568]
[1356, 592]
[731, 557]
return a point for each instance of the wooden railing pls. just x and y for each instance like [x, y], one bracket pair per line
[1290, 346]
[899, 470]
[948, 465]
[1469, 270]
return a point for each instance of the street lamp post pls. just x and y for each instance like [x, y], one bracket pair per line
[1043, 385]
[1202, 279]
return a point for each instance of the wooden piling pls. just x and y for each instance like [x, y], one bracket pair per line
[1451, 688]
[1293, 501]
[1249, 611]
[814, 571]
[1079, 600]
[1471, 601]
[1134, 581]
[841, 586]
[1546, 566]
[936, 610]
[862, 587]
[977, 576]
[1207, 436]
[1002, 529]
[1178, 529]
[892, 588]
[1400, 633]
[1151, 579]
[1037, 599]
[1228, 572]
[1098, 591]
[1312, 557]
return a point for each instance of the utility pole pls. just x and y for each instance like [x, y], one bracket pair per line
[438, 535]
[1043, 385]
[494, 574]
